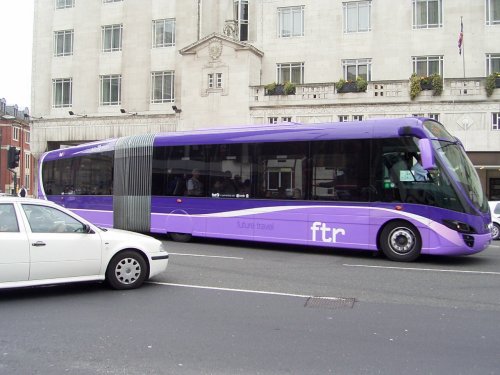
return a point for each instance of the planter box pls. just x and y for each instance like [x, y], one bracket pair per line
[426, 85]
[278, 90]
[348, 87]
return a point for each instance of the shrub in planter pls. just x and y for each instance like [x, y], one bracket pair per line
[492, 82]
[361, 84]
[289, 88]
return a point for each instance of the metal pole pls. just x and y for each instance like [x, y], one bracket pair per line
[15, 183]
[463, 45]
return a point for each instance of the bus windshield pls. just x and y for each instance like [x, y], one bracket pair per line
[454, 157]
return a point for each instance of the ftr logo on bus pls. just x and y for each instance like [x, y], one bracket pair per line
[326, 234]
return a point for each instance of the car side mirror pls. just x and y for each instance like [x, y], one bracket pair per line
[87, 229]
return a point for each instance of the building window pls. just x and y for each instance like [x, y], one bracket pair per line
[273, 120]
[163, 33]
[286, 119]
[291, 72]
[343, 118]
[357, 16]
[291, 22]
[62, 92]
[357, 68]
[112, 38]
[162, 87]
[493, 12]
[27, 161]
[218, 80]
[63, 43]
[357, 117]
[492, 63]
[111, 89]
[241, 17]
[425, 66]
[27, 137]
[27, 181]
[434, 116]
[495, 121]
[15, 133]
[61, 4]
[427, 14]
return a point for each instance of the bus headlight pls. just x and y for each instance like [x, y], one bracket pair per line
[459, 226]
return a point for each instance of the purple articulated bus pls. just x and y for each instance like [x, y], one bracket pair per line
[401, 186]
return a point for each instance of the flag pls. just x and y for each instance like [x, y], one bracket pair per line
[461, 37]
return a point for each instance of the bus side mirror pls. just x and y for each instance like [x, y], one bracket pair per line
[426, 153]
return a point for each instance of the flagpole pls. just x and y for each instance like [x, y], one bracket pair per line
[463, 44]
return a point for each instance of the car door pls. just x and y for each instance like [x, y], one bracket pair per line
[59, 244]
[14, 247]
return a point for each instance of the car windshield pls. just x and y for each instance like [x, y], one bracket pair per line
[462, 170]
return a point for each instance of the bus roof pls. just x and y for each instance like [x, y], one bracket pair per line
[374, 128]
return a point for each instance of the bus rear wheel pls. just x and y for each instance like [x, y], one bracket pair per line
[180, 237]
[400, 241]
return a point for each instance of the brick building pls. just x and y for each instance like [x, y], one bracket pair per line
[15, 132]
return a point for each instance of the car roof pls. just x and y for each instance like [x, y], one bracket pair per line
[13, 199]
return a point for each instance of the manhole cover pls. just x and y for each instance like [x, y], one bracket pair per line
[330, 303]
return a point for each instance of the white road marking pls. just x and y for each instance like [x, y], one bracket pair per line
[423, 269]
[244, 291]
[205, 256]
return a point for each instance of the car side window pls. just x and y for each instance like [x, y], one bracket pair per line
[44, 219]
[8, 219]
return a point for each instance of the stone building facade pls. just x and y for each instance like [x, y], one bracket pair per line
[109, 68]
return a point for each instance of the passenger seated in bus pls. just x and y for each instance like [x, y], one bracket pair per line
[228, 185]
[194, 185]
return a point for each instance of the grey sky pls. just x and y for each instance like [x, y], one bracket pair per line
[16, 30]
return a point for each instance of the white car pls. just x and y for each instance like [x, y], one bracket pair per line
[42, 243]
[495, 218]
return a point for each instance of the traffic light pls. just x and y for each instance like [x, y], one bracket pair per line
[13, 157]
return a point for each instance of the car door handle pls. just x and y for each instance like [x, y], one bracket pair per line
[38, 243]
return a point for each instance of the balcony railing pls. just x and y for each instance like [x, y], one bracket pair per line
[454, 89]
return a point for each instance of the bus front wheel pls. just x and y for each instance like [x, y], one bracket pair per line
[400, 241]
[180, 237]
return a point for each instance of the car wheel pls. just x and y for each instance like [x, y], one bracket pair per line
[127, 270]
[180, 237]
[495, 232]
[400, 241]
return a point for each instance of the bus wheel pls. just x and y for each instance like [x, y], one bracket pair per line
[127, 270]
[400, 241]
[495, 232]
[180, 237]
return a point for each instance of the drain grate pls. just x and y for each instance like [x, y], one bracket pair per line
[330, 303]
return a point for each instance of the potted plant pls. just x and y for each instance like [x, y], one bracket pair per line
[492, 82]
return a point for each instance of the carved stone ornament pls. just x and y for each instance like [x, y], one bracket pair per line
[231, 29]
[215, 49]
